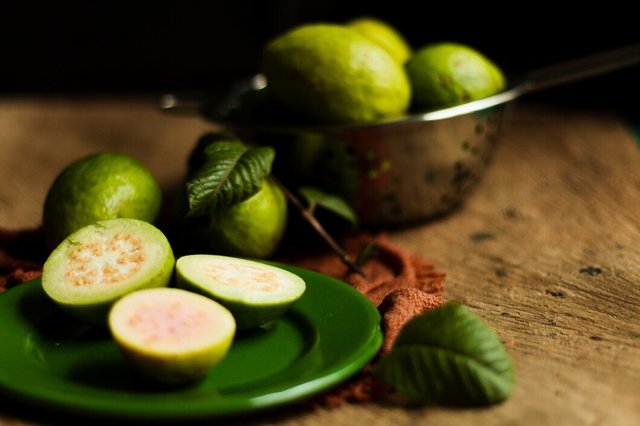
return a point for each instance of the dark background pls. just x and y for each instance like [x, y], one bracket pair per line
[90, 47]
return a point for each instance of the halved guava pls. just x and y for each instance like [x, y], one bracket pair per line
[99, 263]
[254, 292]
[171, 335]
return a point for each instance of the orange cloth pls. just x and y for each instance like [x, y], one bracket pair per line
[398, 282]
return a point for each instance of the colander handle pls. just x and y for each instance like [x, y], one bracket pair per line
[581, 68]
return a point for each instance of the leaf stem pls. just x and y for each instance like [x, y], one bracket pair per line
[309, 217]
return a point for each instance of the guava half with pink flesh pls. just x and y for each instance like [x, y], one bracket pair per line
[171, 335]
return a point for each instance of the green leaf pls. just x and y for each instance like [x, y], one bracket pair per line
[198, 155]
[331, 202]
[448, 355]
[230, 172]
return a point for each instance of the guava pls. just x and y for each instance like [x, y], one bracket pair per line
[171, 335]
[251, 228]
[254, 292]
[383, 34]
[101, 262]
[330, 73]
[106, 185]
[447, 74]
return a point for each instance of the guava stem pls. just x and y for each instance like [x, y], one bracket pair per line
[309, 217]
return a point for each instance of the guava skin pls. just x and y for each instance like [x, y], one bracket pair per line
[100, 186]
[176, 370]
[90, 301]
[333, 74]
[448, 74]
[384, 35]
[250, 316]
[252, 228]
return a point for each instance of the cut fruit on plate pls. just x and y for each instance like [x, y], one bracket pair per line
[56, 364]
[254, 292]
[99, 263]
[171, 335]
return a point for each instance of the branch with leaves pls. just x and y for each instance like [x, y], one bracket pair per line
[224, 171]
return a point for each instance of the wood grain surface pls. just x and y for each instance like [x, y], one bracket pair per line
[546, 250]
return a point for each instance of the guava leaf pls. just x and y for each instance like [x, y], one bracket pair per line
[448, 355]
[230, 173]
[198, 155]
[331, 202]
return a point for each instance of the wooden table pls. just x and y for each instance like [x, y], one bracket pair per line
[547, 249]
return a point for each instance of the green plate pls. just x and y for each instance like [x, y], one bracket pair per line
[51, 361]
